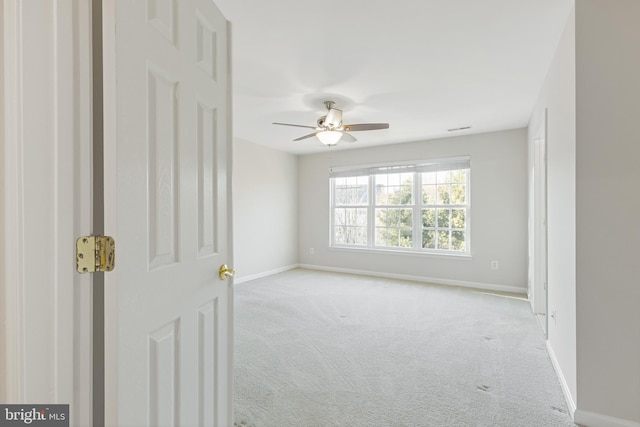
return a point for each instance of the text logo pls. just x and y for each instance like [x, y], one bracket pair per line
[34, 415]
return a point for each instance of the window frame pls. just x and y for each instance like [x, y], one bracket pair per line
[417, 168]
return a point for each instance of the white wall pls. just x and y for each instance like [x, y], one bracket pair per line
[591, 93]
[608, 229]
[558, 96]
[265, 210]
[498, 212]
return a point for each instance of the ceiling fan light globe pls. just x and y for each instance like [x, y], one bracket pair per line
[329, 137]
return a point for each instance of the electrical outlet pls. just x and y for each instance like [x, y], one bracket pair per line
[312, 251]
[494, 265]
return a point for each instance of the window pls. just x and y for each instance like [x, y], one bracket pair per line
[444, 209]
[351, 202]
[421, 207]
[394, 210]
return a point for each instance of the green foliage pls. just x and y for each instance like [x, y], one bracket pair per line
[458, 241]
[444, 188]
[428, 218]
[439, 224]
[394, 225]
[428, 239]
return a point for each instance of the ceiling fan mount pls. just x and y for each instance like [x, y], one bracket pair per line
[330, 129]
[329, 104]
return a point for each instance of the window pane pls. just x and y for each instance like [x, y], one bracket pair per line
[406, 238]
[350, 226]
[361, 217]
[338, 217]
[348, 216]
[381, 217]
[387, 237]
[406, 193]
[345, 235]
[390, 217]
[357, 234]
[443, 218]
[381, 237]
[362, 235]
[443, 177]
[405, 218]
[444, 197]
[393, 179]
[457, 194]
[428, 194]
[428, 218]
[351, 196]
[351, 191]
[443, 240]
[381, 194]
[457, 241]
[394, 217]
[394, 237]
[351, 234]
[394, 189]
[428, 239]
[429, 178]
[458, 218]
[394, 195]
[354, 216]
[363, 194]
[459, 176]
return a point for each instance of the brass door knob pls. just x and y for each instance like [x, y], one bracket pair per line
[225, 272]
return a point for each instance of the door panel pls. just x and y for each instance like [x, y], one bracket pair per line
[162, 161]
[170, 315]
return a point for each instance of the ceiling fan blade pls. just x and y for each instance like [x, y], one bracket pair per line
[366, 126]
[347, 137]
[306, 136]
[298, 126]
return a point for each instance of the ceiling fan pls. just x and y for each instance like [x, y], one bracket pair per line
[330, 128]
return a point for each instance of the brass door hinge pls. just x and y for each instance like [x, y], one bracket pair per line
[95, 253]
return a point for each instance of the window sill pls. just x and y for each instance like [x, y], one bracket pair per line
[447, 255]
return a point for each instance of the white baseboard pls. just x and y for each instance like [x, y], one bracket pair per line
[434, 280]
[563, 382]
[243, 279]
[592, 419]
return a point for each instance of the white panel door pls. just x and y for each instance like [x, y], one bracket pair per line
[167, 183]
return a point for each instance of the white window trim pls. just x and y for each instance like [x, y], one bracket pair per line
[415, 166]
[402, 252]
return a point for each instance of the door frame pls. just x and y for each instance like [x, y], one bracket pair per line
[46, 204]
[538, 258]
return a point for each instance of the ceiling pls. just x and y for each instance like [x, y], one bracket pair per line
[423, 66]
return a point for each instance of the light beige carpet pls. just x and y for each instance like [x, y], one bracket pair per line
[324, 349]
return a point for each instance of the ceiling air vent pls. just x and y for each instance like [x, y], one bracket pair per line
[459, 129]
